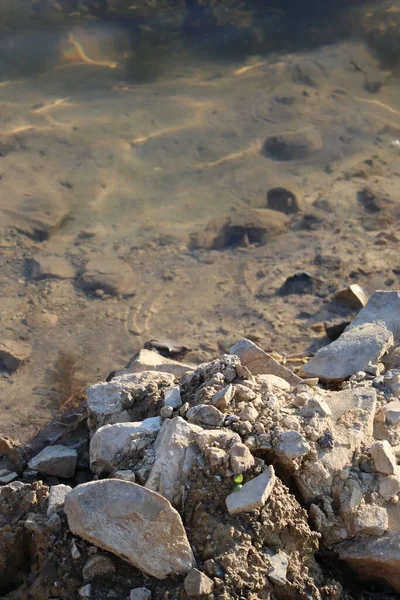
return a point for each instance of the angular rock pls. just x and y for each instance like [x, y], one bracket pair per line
[253, 494]
[371, 520]
[197, 583]
[148, 360]
[359, 348]
[205, 414]
[369, 336]
[13, 452]
[97, 565]
[220, 438]
[392, 412]
[274, 380]
[389, 486]
[141, 593]
[111, 441]
[109, 274]
[172, 397]
[85, 591]
[293, 146]
[58, 460]
[354, 296]
[291, 444]
[241, 459]
[223, 398]
[125, 475]
[176, 453]
[384, 457]
[57, 497]
[112, 402]
[315, 407]
[122, 518]
[259, 362]
[279, 563]
[13, 354]
[57, 267]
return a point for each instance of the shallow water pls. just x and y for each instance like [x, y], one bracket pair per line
[130, 137]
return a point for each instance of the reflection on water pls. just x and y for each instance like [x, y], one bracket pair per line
[147, 160]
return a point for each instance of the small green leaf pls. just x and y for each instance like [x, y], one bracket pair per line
[238, 478]
[237, 487]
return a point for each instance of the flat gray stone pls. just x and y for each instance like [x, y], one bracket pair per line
[371, 520]
[253, 494]
[291, 444]
[14, 353]
[363, 343]
[279, 563]
[7, 477]
[133, 523]
[259, 362]
[172, 397]
[110, 441]
[140, 593]
[148, 360]
[58, 460]
[205, 414]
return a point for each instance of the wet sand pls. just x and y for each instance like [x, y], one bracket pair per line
[137, 168]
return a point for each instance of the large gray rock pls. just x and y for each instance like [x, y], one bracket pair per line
[259, 362]
[113, 402]
[110, 441]
[363, 343]
[59, 461]
[133, 523]
[176, 454]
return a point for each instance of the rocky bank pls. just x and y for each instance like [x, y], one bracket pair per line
[227, 480]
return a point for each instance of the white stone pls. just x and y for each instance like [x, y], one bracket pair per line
[197, 583]
[291, 444]
[132, 522]
[392, 412]
[253, 494]
[75, 552]
[316, 407]
[279, 563]
[85, 591]
[59, 461]
[221, 438]
[384, 457]
[371, 520]
[172, 397]
[110, 441]
[140, 593]
[57, 497]
[176, 452]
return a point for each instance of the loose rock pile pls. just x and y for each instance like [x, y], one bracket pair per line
[196, 482]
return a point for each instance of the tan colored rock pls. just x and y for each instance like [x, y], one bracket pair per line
[371, 520]
[14, 353]
[96, 566]
[133, 523]
[109, 274]
[205, 414]
[148, 360]
[37, 217]
[241, 459]
[223, 398]
[56, 267]
[253, 494]
[259, 362]
[354, 296]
